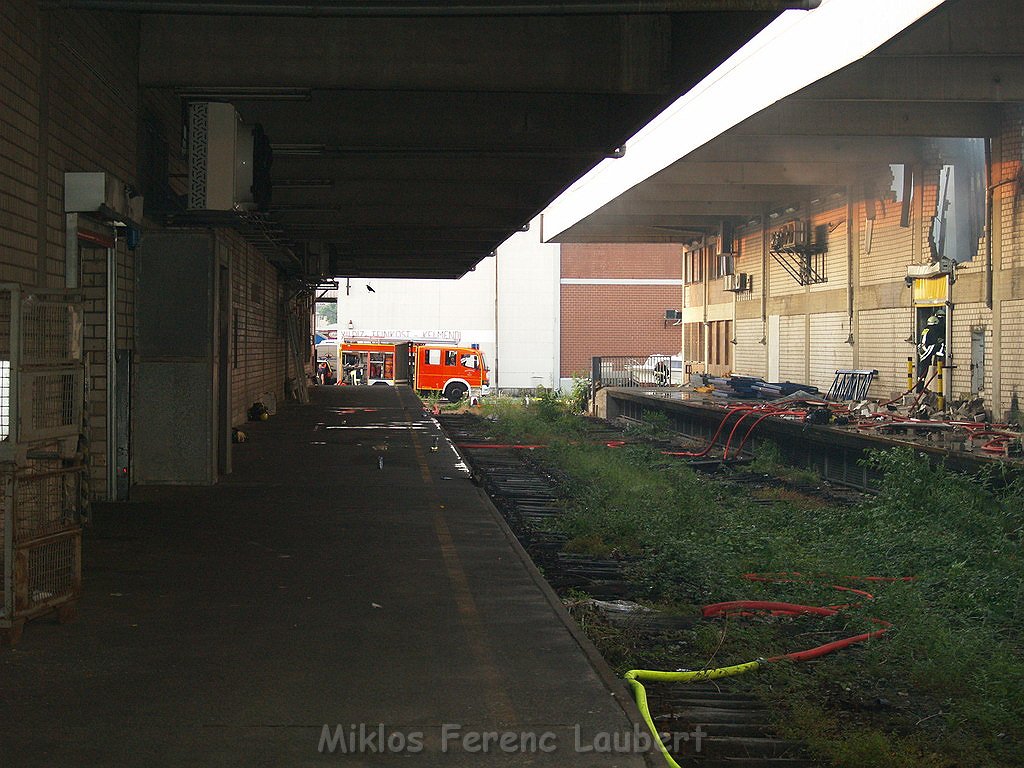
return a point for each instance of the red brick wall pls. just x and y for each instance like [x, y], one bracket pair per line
[618, 319]
[622, 260]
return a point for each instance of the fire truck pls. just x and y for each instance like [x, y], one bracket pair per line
[454, 372]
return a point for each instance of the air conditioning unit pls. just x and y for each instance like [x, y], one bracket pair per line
[101, 194]
[791, 235]
[673, 314]
[726, 239]
[736, 283]
[220, 159]
[726, 264]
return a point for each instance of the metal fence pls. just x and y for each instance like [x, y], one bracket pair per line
[638, 371]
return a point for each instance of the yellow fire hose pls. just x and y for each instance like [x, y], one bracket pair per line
[634, 676]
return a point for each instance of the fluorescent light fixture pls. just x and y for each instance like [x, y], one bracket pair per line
[303, 183]
[795, 50]
[298, 150]
[244, 93]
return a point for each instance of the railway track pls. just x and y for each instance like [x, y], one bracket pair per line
[709, 725]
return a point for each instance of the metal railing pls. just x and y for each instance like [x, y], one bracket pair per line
[638, 371]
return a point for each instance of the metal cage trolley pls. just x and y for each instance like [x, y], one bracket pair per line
[42, 394]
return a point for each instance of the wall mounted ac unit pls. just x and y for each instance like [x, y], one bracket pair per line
[736, 283]
[101, 194]
[791, 235]
[220, 159]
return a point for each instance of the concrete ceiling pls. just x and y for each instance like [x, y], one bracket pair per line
[945, 75]
[411, 139]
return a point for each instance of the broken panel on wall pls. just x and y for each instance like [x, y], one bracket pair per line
[41, 469]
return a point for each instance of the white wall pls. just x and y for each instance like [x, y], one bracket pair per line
[528, 311]
[522, 353]
[464, 306]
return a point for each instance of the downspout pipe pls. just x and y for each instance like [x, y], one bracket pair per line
[437, 8]
[111, 420]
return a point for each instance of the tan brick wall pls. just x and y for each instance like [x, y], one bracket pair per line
[20, 73]
[1012, 367]
[749, 260]
[1009, 196]
[967, 317]
[891, 245]
[828, 350]
[793, 348]
[69, 103]
[750, 355]
[881, 345]
[832, 214]
[257, 323]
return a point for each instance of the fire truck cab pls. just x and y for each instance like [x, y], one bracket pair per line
[455, 372]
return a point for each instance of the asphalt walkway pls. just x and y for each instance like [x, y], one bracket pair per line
[346, 596]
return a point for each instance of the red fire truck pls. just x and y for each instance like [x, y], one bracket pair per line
[455, 372]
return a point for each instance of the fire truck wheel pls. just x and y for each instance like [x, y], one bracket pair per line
[455, 391]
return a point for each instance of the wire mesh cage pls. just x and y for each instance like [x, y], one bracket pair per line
[50, 403]
[41, 366]
[42, 392]
[51, 331]
[45, 502]
[47, 573]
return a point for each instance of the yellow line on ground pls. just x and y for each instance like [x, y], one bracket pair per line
[497, 700]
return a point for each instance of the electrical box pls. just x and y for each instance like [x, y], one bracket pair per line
[96, 193]
[220, 159]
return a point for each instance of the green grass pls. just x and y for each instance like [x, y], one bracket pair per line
[951, 670]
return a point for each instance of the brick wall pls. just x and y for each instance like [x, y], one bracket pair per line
[1012, 331]
[750, 355]
[829, 351]
[881, 335]
[1009, 197]
[793, 348]
[622, 318]
[616, 320]
[621, 260]
[257, 325]
[891, 244]
[20, 72]
[966, 318]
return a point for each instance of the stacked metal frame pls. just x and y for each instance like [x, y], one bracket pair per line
[42, 395]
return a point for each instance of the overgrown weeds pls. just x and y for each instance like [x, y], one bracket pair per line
[944, 687]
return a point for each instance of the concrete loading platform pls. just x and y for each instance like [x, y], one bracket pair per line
[228, 625]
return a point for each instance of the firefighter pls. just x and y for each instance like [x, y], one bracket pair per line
[324, 374]
[932, 347]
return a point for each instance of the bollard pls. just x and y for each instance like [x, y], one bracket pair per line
[910, 373]
[941, 400]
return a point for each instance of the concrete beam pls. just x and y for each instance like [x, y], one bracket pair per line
[636, 209]
[347, 122]
[830, 148]
[685, 173]
[924, 119]
[360, 168]
[998, 78]
[967, 28]
[599, 54]
[683, 194]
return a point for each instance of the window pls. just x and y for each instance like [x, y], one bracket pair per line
[433, 357]
[470, 361]
[450, 357]
[693, 341]
[693, 266]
